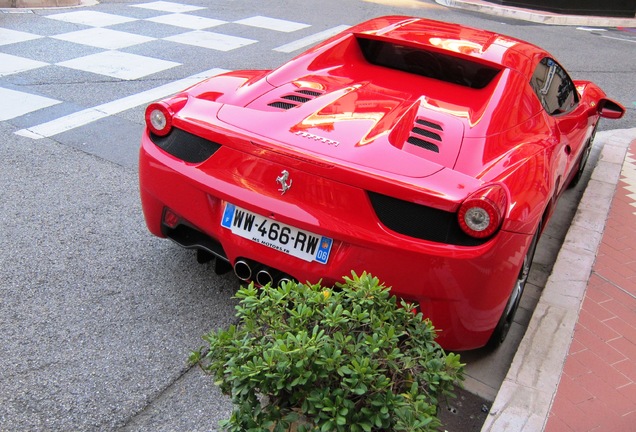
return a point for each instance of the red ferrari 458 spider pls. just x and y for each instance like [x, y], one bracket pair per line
[426, 153]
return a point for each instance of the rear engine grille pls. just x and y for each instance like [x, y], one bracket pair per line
[313, 93]
[185, 146]
[282, 105]
[429, 124]
[418, 221]
[422, 135]
[297, 98]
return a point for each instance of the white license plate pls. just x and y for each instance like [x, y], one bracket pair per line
[284, 238]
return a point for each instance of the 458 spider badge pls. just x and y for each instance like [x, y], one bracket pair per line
[318, 138]
[282, 181]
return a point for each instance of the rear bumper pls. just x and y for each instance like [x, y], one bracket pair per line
[463, 290]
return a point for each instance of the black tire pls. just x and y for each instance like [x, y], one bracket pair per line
[583, 160]
[507, 317]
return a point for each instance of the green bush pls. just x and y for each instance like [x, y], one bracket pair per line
[343, 359]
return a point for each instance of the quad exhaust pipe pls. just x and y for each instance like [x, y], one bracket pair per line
[247, 271]
[264, 277]
[243, 270]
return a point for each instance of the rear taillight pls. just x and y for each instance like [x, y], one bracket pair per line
[159, 118]
[481, 214]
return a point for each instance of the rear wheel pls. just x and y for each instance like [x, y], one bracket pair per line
[508, 315]
[583, 161]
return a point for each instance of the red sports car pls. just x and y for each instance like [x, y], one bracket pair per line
[426, 153]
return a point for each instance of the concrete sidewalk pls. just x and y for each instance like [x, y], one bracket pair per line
[537, 16]
[575, 369]
[593, 347]
[598, 383]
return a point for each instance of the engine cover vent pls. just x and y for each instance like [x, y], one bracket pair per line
[294, 99]
[282, 105]
[423, 135]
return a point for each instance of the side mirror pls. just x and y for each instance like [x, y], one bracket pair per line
[609, 109]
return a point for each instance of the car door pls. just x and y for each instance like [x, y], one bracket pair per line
[560, 100]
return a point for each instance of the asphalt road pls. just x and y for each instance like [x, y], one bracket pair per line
[96, 315]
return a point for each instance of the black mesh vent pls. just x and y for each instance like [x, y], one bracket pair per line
[282, 105]
[185, 146]
[423, 144]
[423, 137]
[427, 134]
[418, 221]
[296, 98]
[429, 124]
[313, 93]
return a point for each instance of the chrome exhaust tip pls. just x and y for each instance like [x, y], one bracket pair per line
[284, 280]
[243, 270]
[264, 277]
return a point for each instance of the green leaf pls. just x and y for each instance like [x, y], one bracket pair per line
[353, 360]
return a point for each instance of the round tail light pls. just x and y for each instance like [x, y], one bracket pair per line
[159, 118]
[481, 214]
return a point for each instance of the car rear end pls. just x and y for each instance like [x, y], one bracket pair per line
[316, 170]
[332, 219]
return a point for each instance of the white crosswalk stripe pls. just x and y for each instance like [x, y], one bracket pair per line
[8, 36]
[10, 64]
[119, 64]
[91, 18]
[99, 37]
[16, 103]
[187, 21]
[272, 24]
[84, 117]
[173, 22]
[168, 7]
[211, 40]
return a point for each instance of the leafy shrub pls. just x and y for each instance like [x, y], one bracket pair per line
[342, 359]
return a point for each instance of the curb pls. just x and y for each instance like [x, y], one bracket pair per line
[525, 398]
[537, 16]
[24, 6]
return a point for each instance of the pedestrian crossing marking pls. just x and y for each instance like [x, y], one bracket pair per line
[165, 6]
[210, 40]
[119, 64]
[103, 38]
[91, 18]
[10, 64]
[272, 24]
[17, 103]
[187, 21]
[115, 63]
[84, 117]
[8, 36]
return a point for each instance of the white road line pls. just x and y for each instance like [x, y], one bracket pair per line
[620, 39]
[89, 115]
[591, 29]
[311, 40]
[272, 24]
